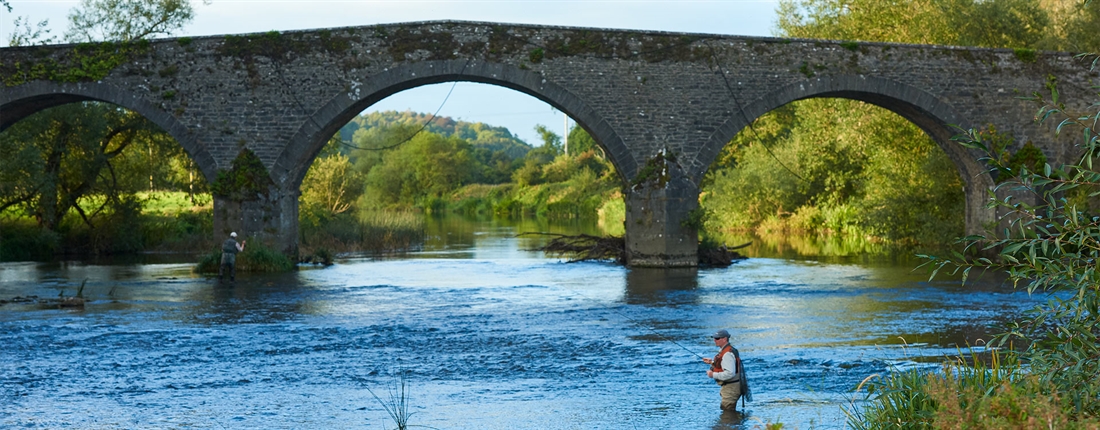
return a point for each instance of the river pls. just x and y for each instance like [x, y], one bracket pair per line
[486, 334]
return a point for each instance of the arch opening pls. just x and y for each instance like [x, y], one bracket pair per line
[840, 173]
[391, 155]
[87, 177]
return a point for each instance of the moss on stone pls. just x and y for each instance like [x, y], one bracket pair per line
[247, 179]
[437, 46]
[1025, 55]
[655, 171]
[84, 62]
[279, 47]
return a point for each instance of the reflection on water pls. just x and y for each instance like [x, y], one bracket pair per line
[835, 248]
[490, 334]
[650, 286]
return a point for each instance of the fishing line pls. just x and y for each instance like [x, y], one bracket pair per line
[744, 116]
[639, 323]
[320, 127]
[422, 126]
[656, 332]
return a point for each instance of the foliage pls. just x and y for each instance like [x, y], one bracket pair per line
[21, 240]
[107, 32]
[835, 166]
[61, 155]
[580, 142]
[246, 179]
[126, 20]
[84, 62]
[372, 231]
[425, 167]
[996, 392]
[25, 35]
[1050, 247]
[611, 215]
[848, 167]
[164, 222]
[255, 258]
[479, 135]
[331, 186]
[997, 24]
[77, 169]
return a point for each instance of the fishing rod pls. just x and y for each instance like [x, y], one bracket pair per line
[650, 329]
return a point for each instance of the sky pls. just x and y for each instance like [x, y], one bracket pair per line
[467, 101]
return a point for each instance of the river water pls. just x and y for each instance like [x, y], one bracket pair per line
[486, 335]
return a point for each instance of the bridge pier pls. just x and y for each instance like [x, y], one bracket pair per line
[656, 208]
[270, 219]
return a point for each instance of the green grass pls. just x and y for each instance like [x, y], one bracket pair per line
[164, 221]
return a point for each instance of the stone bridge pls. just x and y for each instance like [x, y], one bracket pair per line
[662, 105]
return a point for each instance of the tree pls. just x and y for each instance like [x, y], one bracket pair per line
[580, 141]
[1050, 247]
[427, 166]
[75, 157]
[127, 20]
[64, 154]
[1002, 23]
[331, 186]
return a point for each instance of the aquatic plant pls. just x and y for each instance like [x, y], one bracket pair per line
[397, 404]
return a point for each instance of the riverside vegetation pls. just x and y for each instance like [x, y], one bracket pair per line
[1042, 371]
[76, 179]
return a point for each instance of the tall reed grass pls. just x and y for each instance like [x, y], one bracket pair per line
[974, 392]
[398, 402]
[377, 232]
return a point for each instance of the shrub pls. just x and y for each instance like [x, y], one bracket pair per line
[255, 258]
[21, 239]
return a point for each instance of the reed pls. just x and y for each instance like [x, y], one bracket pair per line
[398, 401]
[969, 391]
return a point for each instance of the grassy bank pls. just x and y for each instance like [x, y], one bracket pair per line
[161, 222]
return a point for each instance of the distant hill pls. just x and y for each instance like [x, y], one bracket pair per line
[479, 134]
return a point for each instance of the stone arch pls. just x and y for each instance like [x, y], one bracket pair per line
[292, 164]
[938, 119]
[24, 100]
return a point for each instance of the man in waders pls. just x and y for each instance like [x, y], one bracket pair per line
[230, 248]
[725, 369]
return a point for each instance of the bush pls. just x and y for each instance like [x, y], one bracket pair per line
[21, 240]
[255, 258]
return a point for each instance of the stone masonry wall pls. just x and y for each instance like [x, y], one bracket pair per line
[282, 95]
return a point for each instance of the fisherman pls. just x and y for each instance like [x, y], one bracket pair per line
[726, 370]
[230, 248]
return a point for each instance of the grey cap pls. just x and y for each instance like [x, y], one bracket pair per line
[233, 234]
[721, 333]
